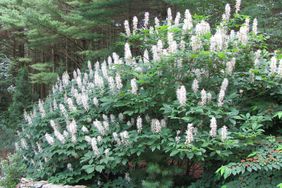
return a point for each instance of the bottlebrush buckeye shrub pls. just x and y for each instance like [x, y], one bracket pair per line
[183, 101]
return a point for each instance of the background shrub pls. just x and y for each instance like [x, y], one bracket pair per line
[184, 102]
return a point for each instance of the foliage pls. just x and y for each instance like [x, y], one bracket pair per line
[6, 135]
[5, 82]
[261, 168]
[21, 98]
[12, 169]
[128, 117]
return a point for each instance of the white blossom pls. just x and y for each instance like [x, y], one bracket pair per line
[146, 58]
[107, 151]
[258, 54]
[224, 84]
[27, 118]
[169, 17]
[188, 22]
[65, 133]
[177, 137]
[237, 6]
[255, 26]
[104, 68]
[181, 95]
[49, 139]
[221, 96]
[79, 82]
[112, 84]
[155, 53]
[230, 65]
[195, 86]
[163, 123]
[135, 24]
[128, 123]
[172, 47]
[232, 35]
[63, 110]
[226, 15]
[105, 118]
[78, 72]
[223, 133]
[159, 46]
[182, 45]
[196, 43]
[120, 117]
[273, 65]
[72, 129]
[242, 34]
[139, 124]
[99, 139]
[74, 74]
[65, 78]
[146, 19]
[127, 177]
[55, 104]
[213, 127]
[84, 129]
[247, 24]
[202, 28]
[124, 137]
[217, 42]
[96, 101]
[17, 147]
[71, 105]
[189, 134]
[156, 126]
[94, 146]
[99, 126]
[41, 108]
[157, 22]
[116, 58]
[87, 139]
[116, 138]
[85, 79]
[24, 143]
[39, 147]
[177, 18]
[84, 101]
[134, 87]
[112, 118]
[110, 61]
[118, 82]
[69, 167]
[279, 71]
[98, 80]
[127, 53]
[127, 28]
[59, 136]
[89, 65]
[106, 125]
[203, 97]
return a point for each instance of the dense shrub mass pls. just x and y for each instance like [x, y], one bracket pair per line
[185, 105]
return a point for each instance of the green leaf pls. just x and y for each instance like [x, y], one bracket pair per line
[89, 168]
